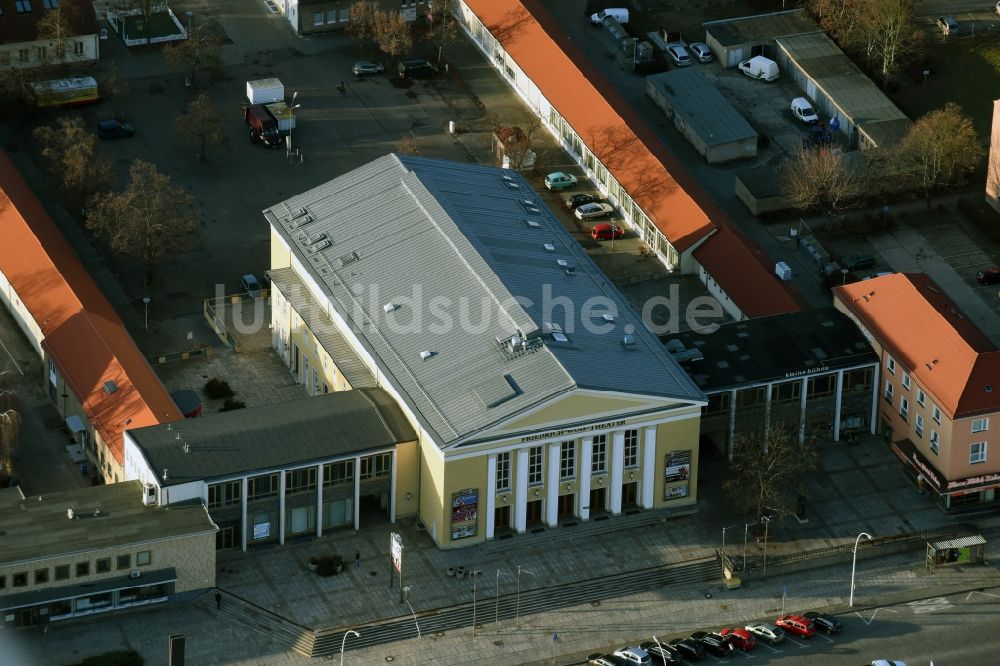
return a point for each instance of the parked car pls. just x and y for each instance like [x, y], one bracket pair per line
[560, 181]
[714, 643]
[367, 68]
[759, 67]
[796, 624]
[828, 623]
[690, 648]
[700, 51]
[766, 632]
[679, 55]
[662, 653]
[416, 69]
[577, 200]
[620, 14]
[948, 25]
[633, 656]
[804, 111]
[887, 662]
[607, 232]
[114, 129]
[989, 276]
[250, 285]
[740, 638]
[598, 659]
[593, 211]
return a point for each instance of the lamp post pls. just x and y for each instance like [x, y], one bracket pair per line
[343, 641]
[517, 610]
[723, 558]
[854, 563]
[497, 594]
[767, 522]
[145, 307]
[746, 529]
[475, 577]
[406, 598]
[291, 109]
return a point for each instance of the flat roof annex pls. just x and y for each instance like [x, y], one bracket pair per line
[702, 106]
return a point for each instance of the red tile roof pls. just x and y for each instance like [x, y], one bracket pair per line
[926, 333]
[82, 333]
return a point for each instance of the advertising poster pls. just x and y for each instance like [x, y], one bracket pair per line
[464, 513]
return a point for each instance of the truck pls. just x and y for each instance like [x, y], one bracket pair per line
[265, 91]
[759, 67]
[263, 126]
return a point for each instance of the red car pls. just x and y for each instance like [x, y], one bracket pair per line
[989, 276]
[741, 638]
[607, 232]
[797, 624]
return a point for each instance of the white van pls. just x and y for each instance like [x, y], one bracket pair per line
[620, 14]
[759, 67]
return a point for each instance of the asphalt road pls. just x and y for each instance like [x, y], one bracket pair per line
[957, 629]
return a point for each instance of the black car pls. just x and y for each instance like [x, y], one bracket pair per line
[416, 69]
[714, 643]
[827, 623]
[578, 200]
[663, 653]
[114, 129]
[689, 647]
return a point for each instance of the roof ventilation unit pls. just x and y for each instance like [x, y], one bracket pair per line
[559, 337]
[426, 354]
[549, 247]
[297, 213]
[389, 307]
[608, 317]
[322, 245]
[302, 221]
[110, 387]
[628, 340]
[532, 224]
[70, 514]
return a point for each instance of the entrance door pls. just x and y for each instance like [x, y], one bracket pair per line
[225, 538]
[597, 503]
[630, 494]
[501, 518]
[295, 360]
[566, 505]
[534, 512]
[26, 617]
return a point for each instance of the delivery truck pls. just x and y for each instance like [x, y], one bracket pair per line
[759, 67]
[263, 126]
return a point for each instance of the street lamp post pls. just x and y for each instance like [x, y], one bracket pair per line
[854, 563]
[746, 529]
[291, 108]
[475, 577]
[767, 522]
[406, 598]
[723, 558]
[343, 641]
[517, 609]
[145, 307]
[497, 588]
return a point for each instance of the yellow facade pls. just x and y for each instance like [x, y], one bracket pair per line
[407, 479]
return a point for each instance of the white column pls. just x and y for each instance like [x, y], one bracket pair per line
[617, 469]
[491, 494]
[392, 490]
[586, 458]
[876, 391]
[802, 409]
[281, 507]
[357, 492]
[319, 500]
[552, 487]
[836, 406]
[244, 527]
[521, 492]
[649, 467]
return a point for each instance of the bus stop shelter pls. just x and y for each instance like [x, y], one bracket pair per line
[956, 551]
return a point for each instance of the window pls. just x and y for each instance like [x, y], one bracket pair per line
[376, 467]
[22, 6]
[599, 459]
[935, 445]
[78, 48]
[62, 572]
[888, 392]
[977, 453]
[331, 16]
[23, 55]
[50, 4]
[980, 425]
[890, 365]
[82, 569]
[906, 380]
[534, 465]
[338, 473]
[921, 396]
[143, 558]
[103, 565]
[41, 576]
[918, 427]
[631, 448]
[317, 18]
[123, 562]
[786, 391]
[936, 414]
[904, 408]
[300, 480]
[503, 471]
[567, 460]
[263, 486]
[224, 494]
[718, 403]
[20, 579]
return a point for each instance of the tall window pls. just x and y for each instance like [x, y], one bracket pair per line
[906, 380]
[936, 414]
[376, 466]
[631, 448]
[534, 465]
[338, 473]
[300, 480]
[977, 453]
[904, 407]
[599, 459]
[935, 444]
[224, 494]
[263, 486]
[921, 397]
[980, 425]
[567, 460]
[888, 392]
[919, 426]
[503, 471]
[890, 365]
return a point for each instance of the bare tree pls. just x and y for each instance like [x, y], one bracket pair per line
[199, 125]
[939, 150]
[392, 33]
[517, 133]
[408, 145]
[10, 435]
[768, 469]
[201, 51]
[150, 218]
[821, 180]
[442, 29]
[362, 20]
[58, 25]
[71, 155]
[16, 91]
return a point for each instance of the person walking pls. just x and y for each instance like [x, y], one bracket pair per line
[357, 559]
[218, 601]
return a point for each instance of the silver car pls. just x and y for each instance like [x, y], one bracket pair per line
[700, 51]
[766, 632]
[679, 55]
[593, 211]
[367, 68]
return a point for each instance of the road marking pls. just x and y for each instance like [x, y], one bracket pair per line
[929, 605]
[874, 613]
[769, 647]
[11, 356]
[825, 637]
[988, 594]
[801, 645]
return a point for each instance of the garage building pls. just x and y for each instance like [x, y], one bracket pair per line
[735, 40]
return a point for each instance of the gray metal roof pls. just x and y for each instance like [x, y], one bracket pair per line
[852, 91]
[760, 28]
[288, 282]
[273, 436]
[961, 542]
[436, 238]
[702, 106]
[39, 526]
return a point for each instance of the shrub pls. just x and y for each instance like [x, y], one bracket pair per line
[231, 404]
[216, 389]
